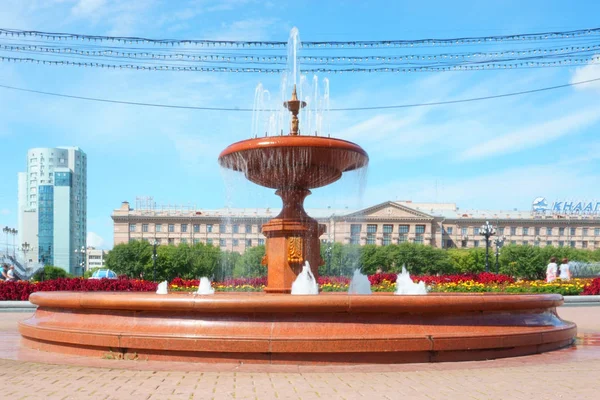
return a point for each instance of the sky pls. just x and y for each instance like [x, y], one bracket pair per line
[498, 154]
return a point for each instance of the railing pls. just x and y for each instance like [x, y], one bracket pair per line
[22, 272]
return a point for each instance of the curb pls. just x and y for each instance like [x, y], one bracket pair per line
[581, 299]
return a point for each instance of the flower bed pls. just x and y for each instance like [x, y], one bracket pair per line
[484, 282]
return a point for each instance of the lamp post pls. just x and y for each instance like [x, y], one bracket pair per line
[14, 233]
[82, 261]
[154, 257]
[25, 249]
[487, 231]
[6, 230]
[499, 242]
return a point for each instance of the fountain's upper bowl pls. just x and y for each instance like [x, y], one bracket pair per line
[293, 161]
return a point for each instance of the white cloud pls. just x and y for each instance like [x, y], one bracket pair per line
[4, 211]
[586, 73]
[85, 8]
[534, 135]
[95, 240]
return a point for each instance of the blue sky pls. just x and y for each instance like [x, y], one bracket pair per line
[497, 154]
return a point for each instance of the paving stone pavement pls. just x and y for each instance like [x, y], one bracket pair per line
[572, 373]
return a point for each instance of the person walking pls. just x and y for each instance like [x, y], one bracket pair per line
[11, 274]
[551, 270]
[565, 270]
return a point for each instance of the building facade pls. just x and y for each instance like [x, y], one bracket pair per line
[52, 206]
[94, 258]
[441, 225]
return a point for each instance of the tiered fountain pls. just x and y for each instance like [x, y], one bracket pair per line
[275, 327]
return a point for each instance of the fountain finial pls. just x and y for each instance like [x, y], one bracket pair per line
[294, 105]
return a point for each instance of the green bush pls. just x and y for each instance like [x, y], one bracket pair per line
[50, 272]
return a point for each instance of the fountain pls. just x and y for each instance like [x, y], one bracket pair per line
[276, 327]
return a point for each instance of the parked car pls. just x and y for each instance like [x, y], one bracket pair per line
[103, 273]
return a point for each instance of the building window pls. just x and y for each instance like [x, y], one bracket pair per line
[572, 231]
[355, 233]
[561, 231]
[222, 242]
[475, 243]
[525, 242]
[449, 244]
[561, 243]
[209, 228]
[513, 230]
[248, 228]
[183, 240]
[248, 242]
[584, 232]
[419, 231]
[449, 230]
[236, 242]
[403, 229]
[537, 231]
[171, 241]
[144, 227]
[171, 227]
[158, 241]
[463, 243]
[209, 241]
[596, 231]
[184, 228]
[222, 228]
[371, 231]
[158, 228]
[536, 243]
[196, 228]
[236, 228]
[525, 231]
[584, 244]
[549, 243]
[572, 243]
[261, 242]
[387, 234]
[131, 227]
[196, 241]
[475, 231]
[500, 231]
[549, 231]
[463, 231]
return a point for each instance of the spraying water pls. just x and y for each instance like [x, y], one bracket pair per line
[305, 283]
[405, 285]
[163, 288]
[359, 284]
[205, 287]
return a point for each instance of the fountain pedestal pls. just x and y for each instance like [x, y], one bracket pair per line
[292, 239]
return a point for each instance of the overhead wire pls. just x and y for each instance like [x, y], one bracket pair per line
[238, 109]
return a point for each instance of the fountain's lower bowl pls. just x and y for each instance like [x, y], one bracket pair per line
[270, 328]
[293, 161]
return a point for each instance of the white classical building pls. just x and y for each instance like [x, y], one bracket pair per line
[442, 225]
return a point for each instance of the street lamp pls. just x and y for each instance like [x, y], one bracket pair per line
[82, 251]
[499, 242]
[487, 231]
[25, 247]
[14, 233]
[6, 230]
[154, 257]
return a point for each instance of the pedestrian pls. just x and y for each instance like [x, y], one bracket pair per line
[551, 270]
[11, 274]
[565, 271]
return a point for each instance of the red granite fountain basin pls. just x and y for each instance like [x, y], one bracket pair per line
[293, 161]
[271, 328]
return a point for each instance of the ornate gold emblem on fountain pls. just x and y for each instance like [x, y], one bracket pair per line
[294, 105]
[295, 253]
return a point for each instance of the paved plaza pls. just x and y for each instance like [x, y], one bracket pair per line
[572, 373]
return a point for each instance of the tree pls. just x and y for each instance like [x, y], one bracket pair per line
[248, 265]
[131, 259]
